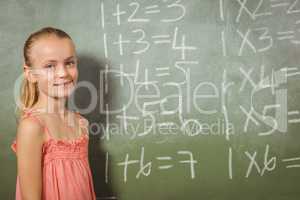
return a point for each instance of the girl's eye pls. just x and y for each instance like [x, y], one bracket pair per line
[49, 66]
[70, 63]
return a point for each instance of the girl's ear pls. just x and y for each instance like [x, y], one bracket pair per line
[29, 74]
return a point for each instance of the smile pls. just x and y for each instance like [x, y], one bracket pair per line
[60, 84]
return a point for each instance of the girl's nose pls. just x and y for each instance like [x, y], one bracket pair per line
[61, 71]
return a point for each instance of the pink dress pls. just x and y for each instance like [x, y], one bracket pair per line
[65, 167]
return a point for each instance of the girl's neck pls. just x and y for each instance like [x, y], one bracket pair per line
[52, 107]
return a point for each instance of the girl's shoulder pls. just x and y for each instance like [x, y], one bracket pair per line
[30, 128]
[34, 116]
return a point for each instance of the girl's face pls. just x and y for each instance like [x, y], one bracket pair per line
[54, 66]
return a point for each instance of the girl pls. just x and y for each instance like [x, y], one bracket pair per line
[52, 155]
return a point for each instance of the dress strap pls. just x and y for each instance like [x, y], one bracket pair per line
[30, 113]
[83, 124]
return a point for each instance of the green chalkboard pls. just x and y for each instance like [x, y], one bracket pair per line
[186, 99]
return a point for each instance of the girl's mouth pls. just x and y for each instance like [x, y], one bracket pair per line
[63, 84]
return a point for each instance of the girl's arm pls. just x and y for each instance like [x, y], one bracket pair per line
[29, 157]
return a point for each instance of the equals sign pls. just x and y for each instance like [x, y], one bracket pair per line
[291, 160]
[294, 71]
[161, 39]
[277, 3]
[151, 9]
[284, 35]
[159, 69]
[291, 113]
[164, 158]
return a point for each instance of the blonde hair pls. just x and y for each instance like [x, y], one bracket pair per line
[29, 93]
